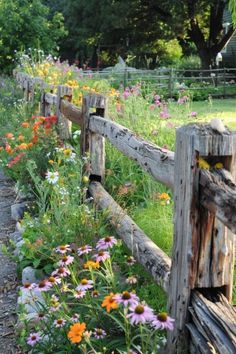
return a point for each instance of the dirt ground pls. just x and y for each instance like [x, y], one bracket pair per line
[8, 280]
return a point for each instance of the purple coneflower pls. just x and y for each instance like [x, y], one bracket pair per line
[63, 249]
[43, 285]
[84, 250]
[84, 284]
[101, 256]
[163, 321]
[95, 293]
[75, 317]
[40, 316]
[54, 280]
[99, 333]
[130, 352]
[131, 280]
[65, 260]
[140, 313]
[106, 242]
[61, 272]
[28, 286]
[33, 339]
[127, 299]
[60, 322]
[130, 260]
[79, 294]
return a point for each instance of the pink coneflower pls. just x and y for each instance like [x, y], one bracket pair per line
[106, 242]
[163, 321]
[28, 286]
[101, 256]
[66, 260]
[41, 316]
[60, 322]
[61, 272]
[127, 299]
[140, 314]
[99, 333]
[63, 249]
[84, 250]
[131, 280]
[43, 285]
[79, 294]
[130, 260]
[95, 293]
[85, 284]
[54, 280]
[126, 93]
[33, 339]
[193, 114]
[75, 317]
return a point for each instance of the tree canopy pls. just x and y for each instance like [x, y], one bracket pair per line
[25, 24]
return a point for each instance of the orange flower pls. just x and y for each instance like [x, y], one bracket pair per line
[76, 331]
[25, 125]
[30, 145]
[9, 135]
[22, 146]
[21, 137]
[110, 303]
[34, 140]
[42, 119]
[8, 149]
[36, 126]
[164, 196]
[91, 264]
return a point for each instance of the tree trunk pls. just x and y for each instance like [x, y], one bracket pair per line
[207, 57]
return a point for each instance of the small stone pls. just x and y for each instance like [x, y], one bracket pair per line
[28, 275]
[16, 236]
[19, 227]
[17, 211]
[18, 247]
[31, 300]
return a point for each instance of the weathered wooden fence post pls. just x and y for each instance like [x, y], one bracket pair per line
[93, 145]
[203, 250]
[64, 125]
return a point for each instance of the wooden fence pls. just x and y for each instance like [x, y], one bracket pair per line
[198, 279]
[215, 82]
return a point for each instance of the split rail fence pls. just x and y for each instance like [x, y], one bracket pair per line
[198, 279]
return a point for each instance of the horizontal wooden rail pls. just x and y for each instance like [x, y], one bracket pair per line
[145, 251]
[71, 112]
[50, 98]
[214, 324]
[218, 195]
[153, 159]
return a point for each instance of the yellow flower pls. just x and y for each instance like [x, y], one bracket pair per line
[51, 162]
[91, 264]
[67, 152]
[85, 179]
[203, 164]
[219, 165]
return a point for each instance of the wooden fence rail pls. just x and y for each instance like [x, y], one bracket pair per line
[199, 277]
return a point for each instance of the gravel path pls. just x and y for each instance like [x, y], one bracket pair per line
[8, 281]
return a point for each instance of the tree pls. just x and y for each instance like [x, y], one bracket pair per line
[136, 27]
[27, 26]
[204, 26]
